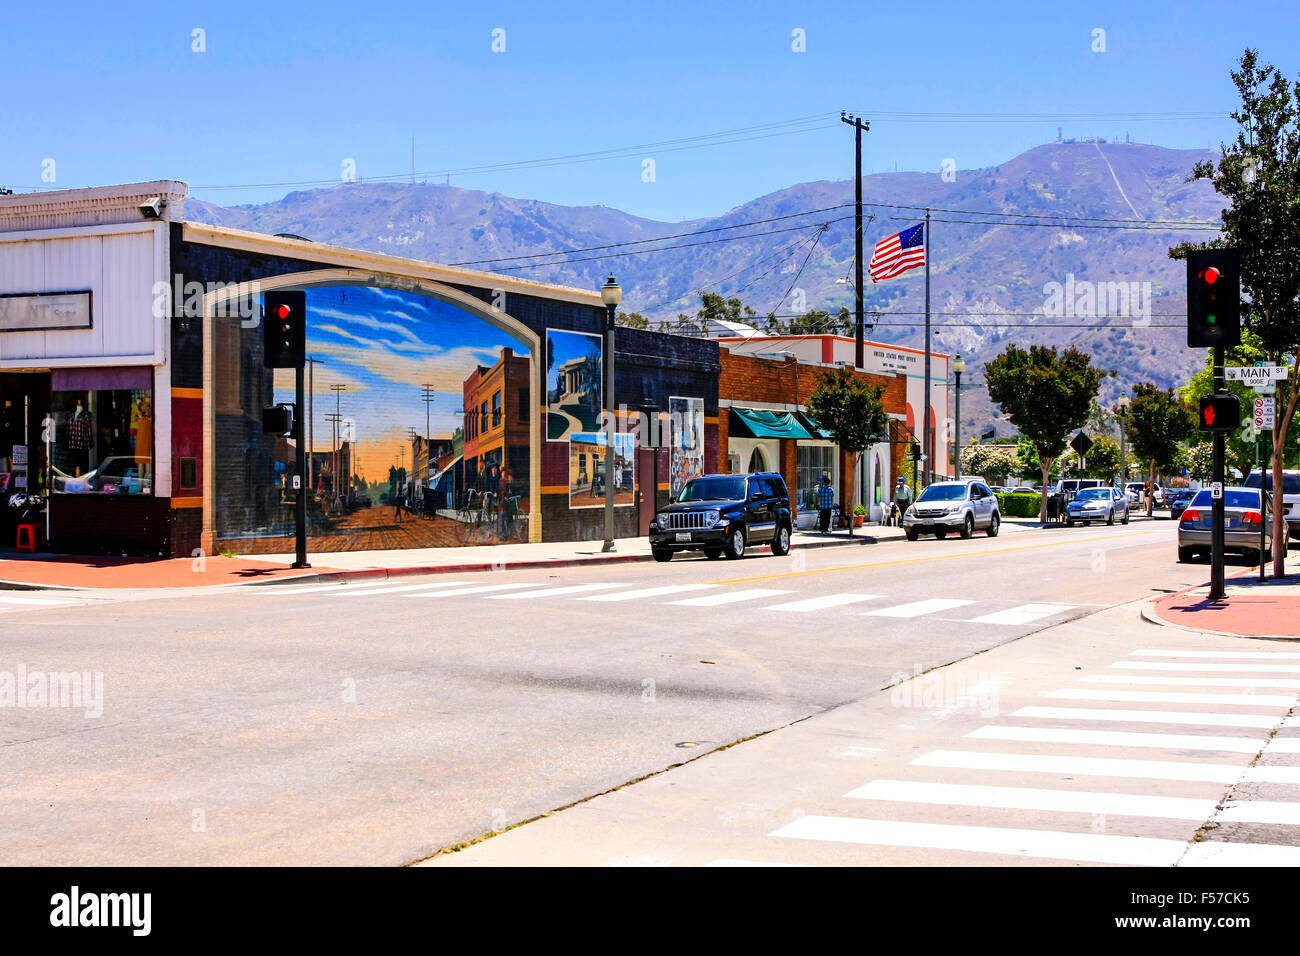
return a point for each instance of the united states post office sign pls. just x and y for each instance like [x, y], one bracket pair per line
[45, 311]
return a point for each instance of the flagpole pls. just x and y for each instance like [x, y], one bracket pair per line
[928, 451]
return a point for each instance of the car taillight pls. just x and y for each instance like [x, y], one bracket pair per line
[1253, 517]
[1190, 515]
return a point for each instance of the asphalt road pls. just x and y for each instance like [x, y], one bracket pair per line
[376, 724]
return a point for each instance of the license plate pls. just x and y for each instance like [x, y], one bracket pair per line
[683, 536]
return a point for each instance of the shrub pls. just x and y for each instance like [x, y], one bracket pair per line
[1020, 506]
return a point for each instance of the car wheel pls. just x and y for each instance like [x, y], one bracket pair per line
[1110, 518]
[912, 534]
[967, 528]
[1069, 524]
[735, 547]
[713, 553]
[1185, 555]
[940, 534]
[662, 554]
[1124, 520]
[781, 543]
[993, 525]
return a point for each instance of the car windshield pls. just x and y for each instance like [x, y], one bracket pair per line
[1232, 498]
[713, 489]
[1290, 483]
[1102, 493]
[943, 493]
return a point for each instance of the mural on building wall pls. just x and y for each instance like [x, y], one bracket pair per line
[574, 377]
[417, 426]
[687, 441]
[587, 471]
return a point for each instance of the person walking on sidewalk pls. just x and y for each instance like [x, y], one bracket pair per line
[902, 500]
[1149, 497]
[825, 502]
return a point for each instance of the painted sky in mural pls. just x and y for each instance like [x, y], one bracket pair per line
[383, 345]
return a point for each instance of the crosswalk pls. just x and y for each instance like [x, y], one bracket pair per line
[780, 600]
[1069, 780]
[34, 600]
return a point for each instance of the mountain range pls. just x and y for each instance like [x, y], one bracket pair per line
[994, 279]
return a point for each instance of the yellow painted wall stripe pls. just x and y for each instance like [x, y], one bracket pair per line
[187, 502]
[187, 393]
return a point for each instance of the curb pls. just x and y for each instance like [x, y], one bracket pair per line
[1151, 617]
[374, 574]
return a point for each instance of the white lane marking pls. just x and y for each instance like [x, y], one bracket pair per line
[1260, 811]
[1006, 841]
[552, 592]
[395, 589]
[1119, 738]
[1024, 614]
[1217, 853]
[1025, 798]
[34, 602]
[729, 597]
[1194, 718]
[731, 862]
[1285, 682]
[1209, 667]
[1084, 766]
[817, 603]
[917, 608]
[1174, 697]
[477, 589]
[649, 592]
[1221, 655]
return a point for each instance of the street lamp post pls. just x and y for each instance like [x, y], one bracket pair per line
[958, 366]
[1123, 443]
[611, 294]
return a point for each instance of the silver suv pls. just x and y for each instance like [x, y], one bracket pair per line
[958, 506]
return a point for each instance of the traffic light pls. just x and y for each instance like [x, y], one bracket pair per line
[1213, 298]
[916, 451]
[284, 323]
[1219, 413]
[278, 419]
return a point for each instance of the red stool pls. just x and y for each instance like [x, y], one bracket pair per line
[28, 531]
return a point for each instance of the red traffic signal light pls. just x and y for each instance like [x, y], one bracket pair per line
[1213, 298]
[1219, 413]
[284, 328]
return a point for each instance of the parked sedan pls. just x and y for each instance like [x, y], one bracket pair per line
[1097, 504]
[1243, 520]
[1179, 504]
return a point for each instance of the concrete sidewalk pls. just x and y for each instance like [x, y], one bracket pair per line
[79, 571]
[1249, 608]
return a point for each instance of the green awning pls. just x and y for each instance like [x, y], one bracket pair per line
[760, 423]
[814, 429]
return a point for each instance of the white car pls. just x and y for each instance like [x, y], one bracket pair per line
[1097, 504]
[1134, 491]
[957, 506]
[1290, 496]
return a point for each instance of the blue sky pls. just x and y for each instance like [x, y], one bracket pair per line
[287, 93]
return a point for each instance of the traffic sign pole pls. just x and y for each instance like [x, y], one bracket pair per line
[1216, 508]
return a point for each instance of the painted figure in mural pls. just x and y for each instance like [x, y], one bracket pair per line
[825, 502]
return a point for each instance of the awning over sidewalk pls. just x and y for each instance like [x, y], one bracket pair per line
[815, 430]
[761, 423]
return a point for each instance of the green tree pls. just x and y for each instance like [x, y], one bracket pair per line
[851, 410]
[1259, 175]
[632, 320]
[1102, 460]
[1046, 395]
[1200, 461]
[1158, 424]
[993, 462]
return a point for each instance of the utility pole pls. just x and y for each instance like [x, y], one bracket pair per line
[1216, 496]
[925, 421]
[338, 389]
[859, 126]
[311, 419]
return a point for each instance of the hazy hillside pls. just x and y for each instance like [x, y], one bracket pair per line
[982, 273]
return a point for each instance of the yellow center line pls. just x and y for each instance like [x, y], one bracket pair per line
[936, 557]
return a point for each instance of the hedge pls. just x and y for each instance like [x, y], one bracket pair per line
[1020, 506]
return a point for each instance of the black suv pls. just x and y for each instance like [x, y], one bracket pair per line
[722, 514]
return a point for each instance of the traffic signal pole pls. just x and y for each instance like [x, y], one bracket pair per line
[1216, 510]
[300, 505]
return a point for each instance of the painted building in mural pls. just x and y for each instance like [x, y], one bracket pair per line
[132, 383]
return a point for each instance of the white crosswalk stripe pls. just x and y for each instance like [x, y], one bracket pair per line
[808, 605]
[401, 588]
[1024, 614]
[1221, 655]
[1156, 681]
[476, 589]
[1085, 766]
[1194, 718]
[1260, 811]
[1028, 798]
[1219, 853]
[25, 602]
[1208, 667]
[918, 608]
[730, 597]
[1119, 738]
[646, 593]
[1173, 697]
[555, 592]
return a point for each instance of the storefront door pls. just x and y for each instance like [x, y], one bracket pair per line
[24, 402]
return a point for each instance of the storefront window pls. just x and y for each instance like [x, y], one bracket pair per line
[813, 462]
[101, 442]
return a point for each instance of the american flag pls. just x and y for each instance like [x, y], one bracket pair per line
[900, 252]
